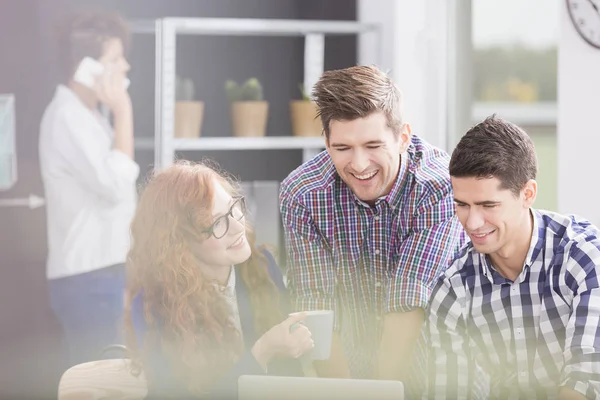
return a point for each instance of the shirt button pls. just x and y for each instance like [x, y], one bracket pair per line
[377, 251]
[377, 284]
[377, 218]
[523, 373]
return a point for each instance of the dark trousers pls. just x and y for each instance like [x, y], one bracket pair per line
[89, 307]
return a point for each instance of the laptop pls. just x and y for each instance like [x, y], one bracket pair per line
[264, 387]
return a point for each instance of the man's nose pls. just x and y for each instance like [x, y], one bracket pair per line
[360, 161]
[475, 220]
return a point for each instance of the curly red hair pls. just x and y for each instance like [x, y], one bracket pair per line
[186, 316]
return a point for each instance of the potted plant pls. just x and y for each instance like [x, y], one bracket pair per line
[249, 111]
[189, 113]
[304, 116]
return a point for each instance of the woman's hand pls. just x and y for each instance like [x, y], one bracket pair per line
[289, 339]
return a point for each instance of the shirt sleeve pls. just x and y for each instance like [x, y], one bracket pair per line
[109, 173]
[310, 269]
[450, 365]
[434, 238]
[274, 270]
[582, 347]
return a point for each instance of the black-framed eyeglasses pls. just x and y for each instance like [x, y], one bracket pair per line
[220, 227]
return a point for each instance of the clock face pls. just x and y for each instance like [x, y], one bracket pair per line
[585, 15]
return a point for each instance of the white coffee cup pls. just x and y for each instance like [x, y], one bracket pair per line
[320, 325]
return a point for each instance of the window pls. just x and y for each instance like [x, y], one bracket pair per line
[515, 50]
[515, 61]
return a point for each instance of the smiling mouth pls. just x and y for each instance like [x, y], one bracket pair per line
[237, 242]
[482, 235]
[365, 177]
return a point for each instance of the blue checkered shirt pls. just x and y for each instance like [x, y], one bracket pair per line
[491, 337]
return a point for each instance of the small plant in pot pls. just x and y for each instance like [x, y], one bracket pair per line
[304, 116]
[249, 111]
[189, 113]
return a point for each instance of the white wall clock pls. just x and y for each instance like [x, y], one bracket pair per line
[585, 16]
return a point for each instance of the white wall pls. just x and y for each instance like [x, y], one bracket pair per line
[578, 124]
[412, 49]
[426, 46]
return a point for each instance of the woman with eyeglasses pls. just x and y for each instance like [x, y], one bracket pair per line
[205, 304]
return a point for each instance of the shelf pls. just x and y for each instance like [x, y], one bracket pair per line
[166, 31]
[144, 143]
[239, 143]
[256, 26]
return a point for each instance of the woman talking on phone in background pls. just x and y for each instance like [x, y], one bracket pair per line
[89, 178]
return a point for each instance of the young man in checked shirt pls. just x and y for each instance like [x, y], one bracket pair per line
[369, 227]
[517, 314]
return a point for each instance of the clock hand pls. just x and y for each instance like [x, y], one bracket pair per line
[595, 6]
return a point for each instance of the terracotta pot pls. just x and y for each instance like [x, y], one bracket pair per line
[304, 118]
[249, 118]
[188, 119]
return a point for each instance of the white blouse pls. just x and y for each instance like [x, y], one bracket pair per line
[90, 188]
[229, 293]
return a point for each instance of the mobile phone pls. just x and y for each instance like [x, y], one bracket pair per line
[89, 70]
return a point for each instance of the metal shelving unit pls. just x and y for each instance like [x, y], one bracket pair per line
[166, 30]
[239, 143]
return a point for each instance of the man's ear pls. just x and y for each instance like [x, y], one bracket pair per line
[404, 136]
[529, 193]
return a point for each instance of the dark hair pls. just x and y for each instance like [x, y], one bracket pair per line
[83, 34]
[496, 148]
[357, 92]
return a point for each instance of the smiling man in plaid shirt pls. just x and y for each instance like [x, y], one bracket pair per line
[517, 315]
[369, 227]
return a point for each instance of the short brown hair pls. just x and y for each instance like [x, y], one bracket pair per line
[83, 34]
[496, 148]
[357, 92]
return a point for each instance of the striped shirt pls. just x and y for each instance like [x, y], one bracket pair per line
[492, 337]
[363, 261]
